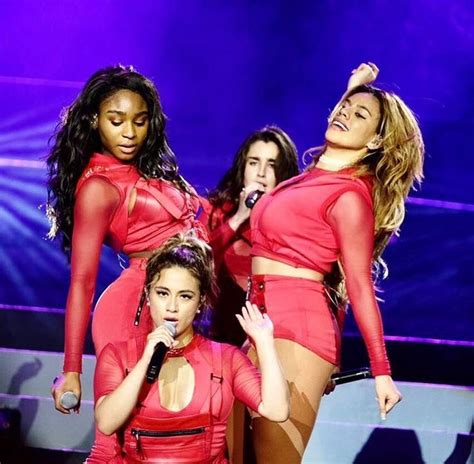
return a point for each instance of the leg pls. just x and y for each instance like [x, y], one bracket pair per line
[307, 375]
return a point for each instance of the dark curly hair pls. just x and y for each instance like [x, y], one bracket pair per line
[231, 184]
[75, 140]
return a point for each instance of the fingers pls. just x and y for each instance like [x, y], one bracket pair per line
[387, 403]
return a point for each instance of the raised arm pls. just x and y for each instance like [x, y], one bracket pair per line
[352, 220]
[274, 403]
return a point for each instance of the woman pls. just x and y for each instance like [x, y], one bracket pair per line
[182, 416]
[266, 157]
[112, 179]
[339, 215]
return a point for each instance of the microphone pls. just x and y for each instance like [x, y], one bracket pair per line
[159, 355]
[68, 400]
[351, 375]
[252, 198]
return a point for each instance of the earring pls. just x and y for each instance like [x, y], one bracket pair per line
[94, 121]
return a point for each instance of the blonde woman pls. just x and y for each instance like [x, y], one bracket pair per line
[338, 217]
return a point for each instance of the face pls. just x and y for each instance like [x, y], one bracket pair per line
[123, 124]
[260, 165]
[175, 297]
[354, 125]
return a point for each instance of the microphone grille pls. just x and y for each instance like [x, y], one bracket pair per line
[171, 326]
[68, 400]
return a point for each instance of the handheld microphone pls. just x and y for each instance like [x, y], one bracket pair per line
[159, 355]
[68, 400]
[351, 375]
[252, 198]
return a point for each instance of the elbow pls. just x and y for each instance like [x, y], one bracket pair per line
[276, 414]
[104, 425]
[105, 428]
[280, 415]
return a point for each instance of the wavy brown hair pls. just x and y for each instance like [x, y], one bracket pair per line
[286, 166]
[396, 167]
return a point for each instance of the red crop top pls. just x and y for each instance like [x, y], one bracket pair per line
[231, 247]
[101, 216]
[316, 218]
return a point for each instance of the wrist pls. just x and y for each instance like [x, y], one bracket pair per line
[236, 221]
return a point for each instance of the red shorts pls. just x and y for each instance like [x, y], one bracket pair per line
[299, 311]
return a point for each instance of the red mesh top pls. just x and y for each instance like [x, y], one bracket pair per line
[101, 216]
[316, 218]
[290, 224]
[240, 379]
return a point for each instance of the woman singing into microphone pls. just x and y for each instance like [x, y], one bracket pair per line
[182, 416]
[265, 158]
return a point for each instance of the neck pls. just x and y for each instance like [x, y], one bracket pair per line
[336, 158]
[186, 337]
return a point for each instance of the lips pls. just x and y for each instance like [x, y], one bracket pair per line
[127, 148]
[340, 125]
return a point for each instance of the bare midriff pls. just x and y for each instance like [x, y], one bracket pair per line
[262, 265]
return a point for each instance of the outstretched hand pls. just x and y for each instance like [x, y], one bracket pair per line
[256, 325]
[365, 73]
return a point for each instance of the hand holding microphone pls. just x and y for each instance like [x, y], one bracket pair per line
[253, 197]
[66, 392]
[159, 354]
[68, 400]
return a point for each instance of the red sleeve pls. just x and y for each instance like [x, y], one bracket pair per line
[94, 208]
[352, 220]
[246, 380]
[109, 372]
[220, 233]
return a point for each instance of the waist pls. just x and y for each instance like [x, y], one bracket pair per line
[261, 265]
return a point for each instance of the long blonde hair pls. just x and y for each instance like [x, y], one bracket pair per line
[396, 167]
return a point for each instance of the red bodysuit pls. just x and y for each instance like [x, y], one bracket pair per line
[311, 221]
[233, 266]
[101, 215]
[195, 434]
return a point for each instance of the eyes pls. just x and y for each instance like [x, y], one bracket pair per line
[271, 164]
[185, 296]
[346, 105]
[139, 123]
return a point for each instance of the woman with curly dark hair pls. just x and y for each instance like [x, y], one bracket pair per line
[113, 179]
[265, 158]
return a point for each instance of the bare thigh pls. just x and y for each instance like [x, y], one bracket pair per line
[307, 375]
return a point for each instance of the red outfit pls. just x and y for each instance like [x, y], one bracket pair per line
[101, 215]
[195, 434]
[233, 266]
[311, 221]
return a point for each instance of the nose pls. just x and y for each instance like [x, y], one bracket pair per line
[172, 306]
[262, 168]
[344, 112]
[129, 131]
